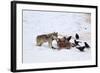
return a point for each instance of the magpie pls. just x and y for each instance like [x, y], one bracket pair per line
[77, 36]
[86, 45]
[81, 48]
[76, 42]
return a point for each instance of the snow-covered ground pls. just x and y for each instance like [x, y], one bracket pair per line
[41, 22]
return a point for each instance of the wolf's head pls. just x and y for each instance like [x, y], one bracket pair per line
[54, 35]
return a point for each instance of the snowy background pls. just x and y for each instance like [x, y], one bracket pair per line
[66, 23]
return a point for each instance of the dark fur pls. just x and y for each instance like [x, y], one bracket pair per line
[63, 43]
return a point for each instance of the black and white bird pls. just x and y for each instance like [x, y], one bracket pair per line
[81, 48]
[76, 42]
[77, 36]
[86, 45]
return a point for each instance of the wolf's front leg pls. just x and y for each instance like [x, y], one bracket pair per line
[50, 43]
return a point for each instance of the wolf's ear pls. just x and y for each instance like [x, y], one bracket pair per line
[54, 32]
[69, 38]
[65, 38]
[57, 33]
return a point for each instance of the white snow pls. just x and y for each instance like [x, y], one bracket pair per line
[41, 22]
